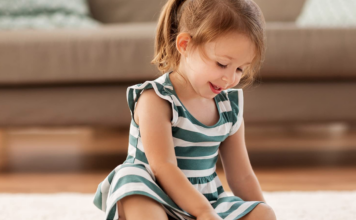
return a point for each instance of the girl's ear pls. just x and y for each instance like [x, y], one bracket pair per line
[182, 43]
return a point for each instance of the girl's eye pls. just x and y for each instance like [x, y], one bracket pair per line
[224, 66]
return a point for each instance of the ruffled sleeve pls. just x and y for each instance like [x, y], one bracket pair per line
[133, 94]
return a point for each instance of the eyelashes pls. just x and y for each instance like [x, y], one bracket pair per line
[224, 66]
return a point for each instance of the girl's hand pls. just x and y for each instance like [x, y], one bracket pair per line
[210, 215]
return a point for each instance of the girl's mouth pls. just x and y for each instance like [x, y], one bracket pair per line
[214, 88]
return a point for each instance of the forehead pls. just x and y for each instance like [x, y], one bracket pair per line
[237, 46]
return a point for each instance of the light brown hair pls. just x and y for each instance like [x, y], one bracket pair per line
[205, 21]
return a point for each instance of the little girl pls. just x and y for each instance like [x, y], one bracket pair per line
[182, 119]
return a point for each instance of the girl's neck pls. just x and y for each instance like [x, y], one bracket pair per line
[183, 88]
[181, 84]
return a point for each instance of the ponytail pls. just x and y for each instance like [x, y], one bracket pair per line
[166, 33]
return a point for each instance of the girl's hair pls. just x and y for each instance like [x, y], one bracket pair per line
[205, 21]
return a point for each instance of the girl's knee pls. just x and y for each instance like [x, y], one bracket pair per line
[269, 212]
[261, 212]
[140, 207]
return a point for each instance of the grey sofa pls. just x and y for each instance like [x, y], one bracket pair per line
[70, 77]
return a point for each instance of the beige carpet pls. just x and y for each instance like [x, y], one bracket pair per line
[291, 205]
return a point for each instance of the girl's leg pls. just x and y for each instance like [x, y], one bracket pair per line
[135, 207]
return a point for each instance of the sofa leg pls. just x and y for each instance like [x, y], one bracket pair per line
[3, 150]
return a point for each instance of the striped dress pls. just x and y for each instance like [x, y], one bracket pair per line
[196, 147]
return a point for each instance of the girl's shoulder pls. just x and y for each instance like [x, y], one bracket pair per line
[160, 87]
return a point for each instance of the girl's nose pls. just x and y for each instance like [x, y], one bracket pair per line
[228, 81]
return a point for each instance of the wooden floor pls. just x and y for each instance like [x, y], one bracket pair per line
[77, 160]
[300, 179]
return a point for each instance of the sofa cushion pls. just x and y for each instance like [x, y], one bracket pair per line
[109, 53]
[44, 14]
[280, 10]
[117, 11]
[329, 13]
[307, 53]
[122, 53]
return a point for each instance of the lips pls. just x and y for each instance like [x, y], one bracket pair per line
[216, 87]
[216, 91]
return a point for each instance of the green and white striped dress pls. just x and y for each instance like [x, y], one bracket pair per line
[196, 147]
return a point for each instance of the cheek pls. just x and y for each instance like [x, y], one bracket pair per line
[202, 71]
[199, 78]
[237, 80]
[200, 64]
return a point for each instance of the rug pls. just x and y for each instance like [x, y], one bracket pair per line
[288, 205]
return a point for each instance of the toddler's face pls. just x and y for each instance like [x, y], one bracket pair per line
[219, 69]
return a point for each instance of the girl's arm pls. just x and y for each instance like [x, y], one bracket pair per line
[154, 116]
[237, 167]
